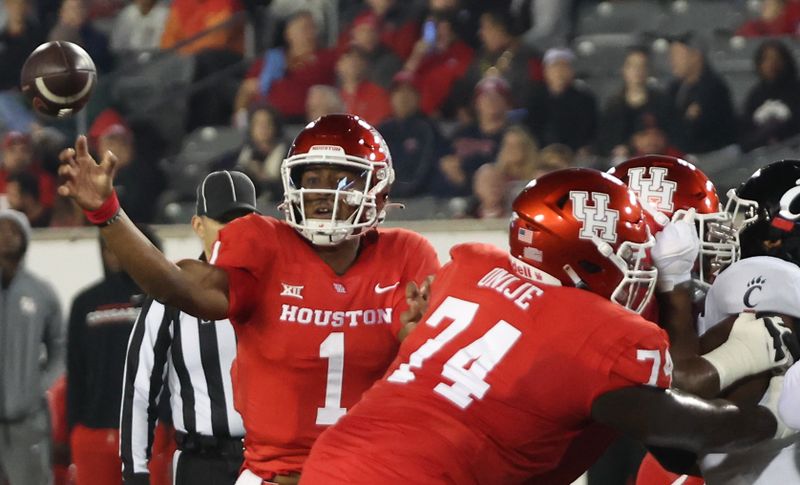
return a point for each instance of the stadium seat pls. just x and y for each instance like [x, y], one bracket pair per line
[201, 149]
[620, 16]
[602, 54]
[704, 17]
[156, 91]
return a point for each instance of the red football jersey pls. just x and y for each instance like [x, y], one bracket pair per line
[495, 385]
[310, 342]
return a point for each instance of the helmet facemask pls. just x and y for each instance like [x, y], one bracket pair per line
[361, 192]
[719, 245]
[638, 282]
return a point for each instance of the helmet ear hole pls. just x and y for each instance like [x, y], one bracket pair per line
[589, 267]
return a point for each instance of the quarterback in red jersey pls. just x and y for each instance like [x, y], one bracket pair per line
[315, 300]
[521, 354]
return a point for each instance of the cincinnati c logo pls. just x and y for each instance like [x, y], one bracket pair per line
[786, 203]
[656, 190]
[597, 220]
[753, 286]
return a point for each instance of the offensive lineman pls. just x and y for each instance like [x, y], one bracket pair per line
[516, 360]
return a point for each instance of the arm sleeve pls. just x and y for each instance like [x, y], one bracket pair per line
[422, 262]
[54, 341]
[143, 381]
[789, 403]
[75, 367]
[245, 250]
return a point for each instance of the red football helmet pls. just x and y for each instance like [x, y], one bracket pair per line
[582, 227]
[672, 186]
[348, 142]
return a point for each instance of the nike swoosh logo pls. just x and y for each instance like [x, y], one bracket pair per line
[383, 289]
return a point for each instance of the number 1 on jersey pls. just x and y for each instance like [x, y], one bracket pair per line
[332, 348]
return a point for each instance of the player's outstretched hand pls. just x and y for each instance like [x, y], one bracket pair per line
[754, 345]
[675, 252]
[417, 299]
[88, 183]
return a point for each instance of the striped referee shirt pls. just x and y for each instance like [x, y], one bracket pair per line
[194, 356]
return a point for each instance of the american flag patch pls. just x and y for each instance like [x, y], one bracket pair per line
[525, 235]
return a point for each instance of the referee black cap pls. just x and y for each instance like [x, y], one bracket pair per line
[225, 195]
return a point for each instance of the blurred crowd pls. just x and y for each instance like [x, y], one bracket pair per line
[473, 97]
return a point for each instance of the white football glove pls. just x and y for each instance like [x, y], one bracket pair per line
[771, 400]
[754, 345]
[675, 252]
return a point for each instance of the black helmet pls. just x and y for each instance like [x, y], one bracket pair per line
[765, 211]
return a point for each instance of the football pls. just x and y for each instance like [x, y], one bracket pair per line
[58, 78]
[747, 391]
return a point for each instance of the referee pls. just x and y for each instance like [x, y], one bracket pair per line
[194, 357]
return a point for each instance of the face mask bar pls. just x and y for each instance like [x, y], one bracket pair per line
[638, 282]
[332, 231]
[719, 246]
[742, 213]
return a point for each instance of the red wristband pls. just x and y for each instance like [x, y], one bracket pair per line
[109, 209]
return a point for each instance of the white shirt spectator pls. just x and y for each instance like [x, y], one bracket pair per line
[135, 31]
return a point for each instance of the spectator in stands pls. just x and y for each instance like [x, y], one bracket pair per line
[518, 157]
[139, 27]
[649, 137]
[325, 13]
[323, 100]
[704, 116]
[562, 111]
[383, 63]
[18, 38]
[262, 153]
[772, 21]
[466, 15]
[18, 158]
[66, 213]
[545, 23]
[500, 54]
[100, 324]
[209, 23]
[478, 142]
[212, 33]
[635, 98]
[361, 97]
[32, 349]
[396, 21]
[283, 75]
[437, 65]
[138, 182]
[771, 111]
[490, 193]
[496, 184]
[74, 26]
[413, 138]
[555, 157]
[22, 190]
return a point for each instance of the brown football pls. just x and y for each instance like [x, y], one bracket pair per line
[58, 78]
[747, 391]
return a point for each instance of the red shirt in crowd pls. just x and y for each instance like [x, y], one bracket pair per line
[369, 101]
[288, 94]
[438, 71]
